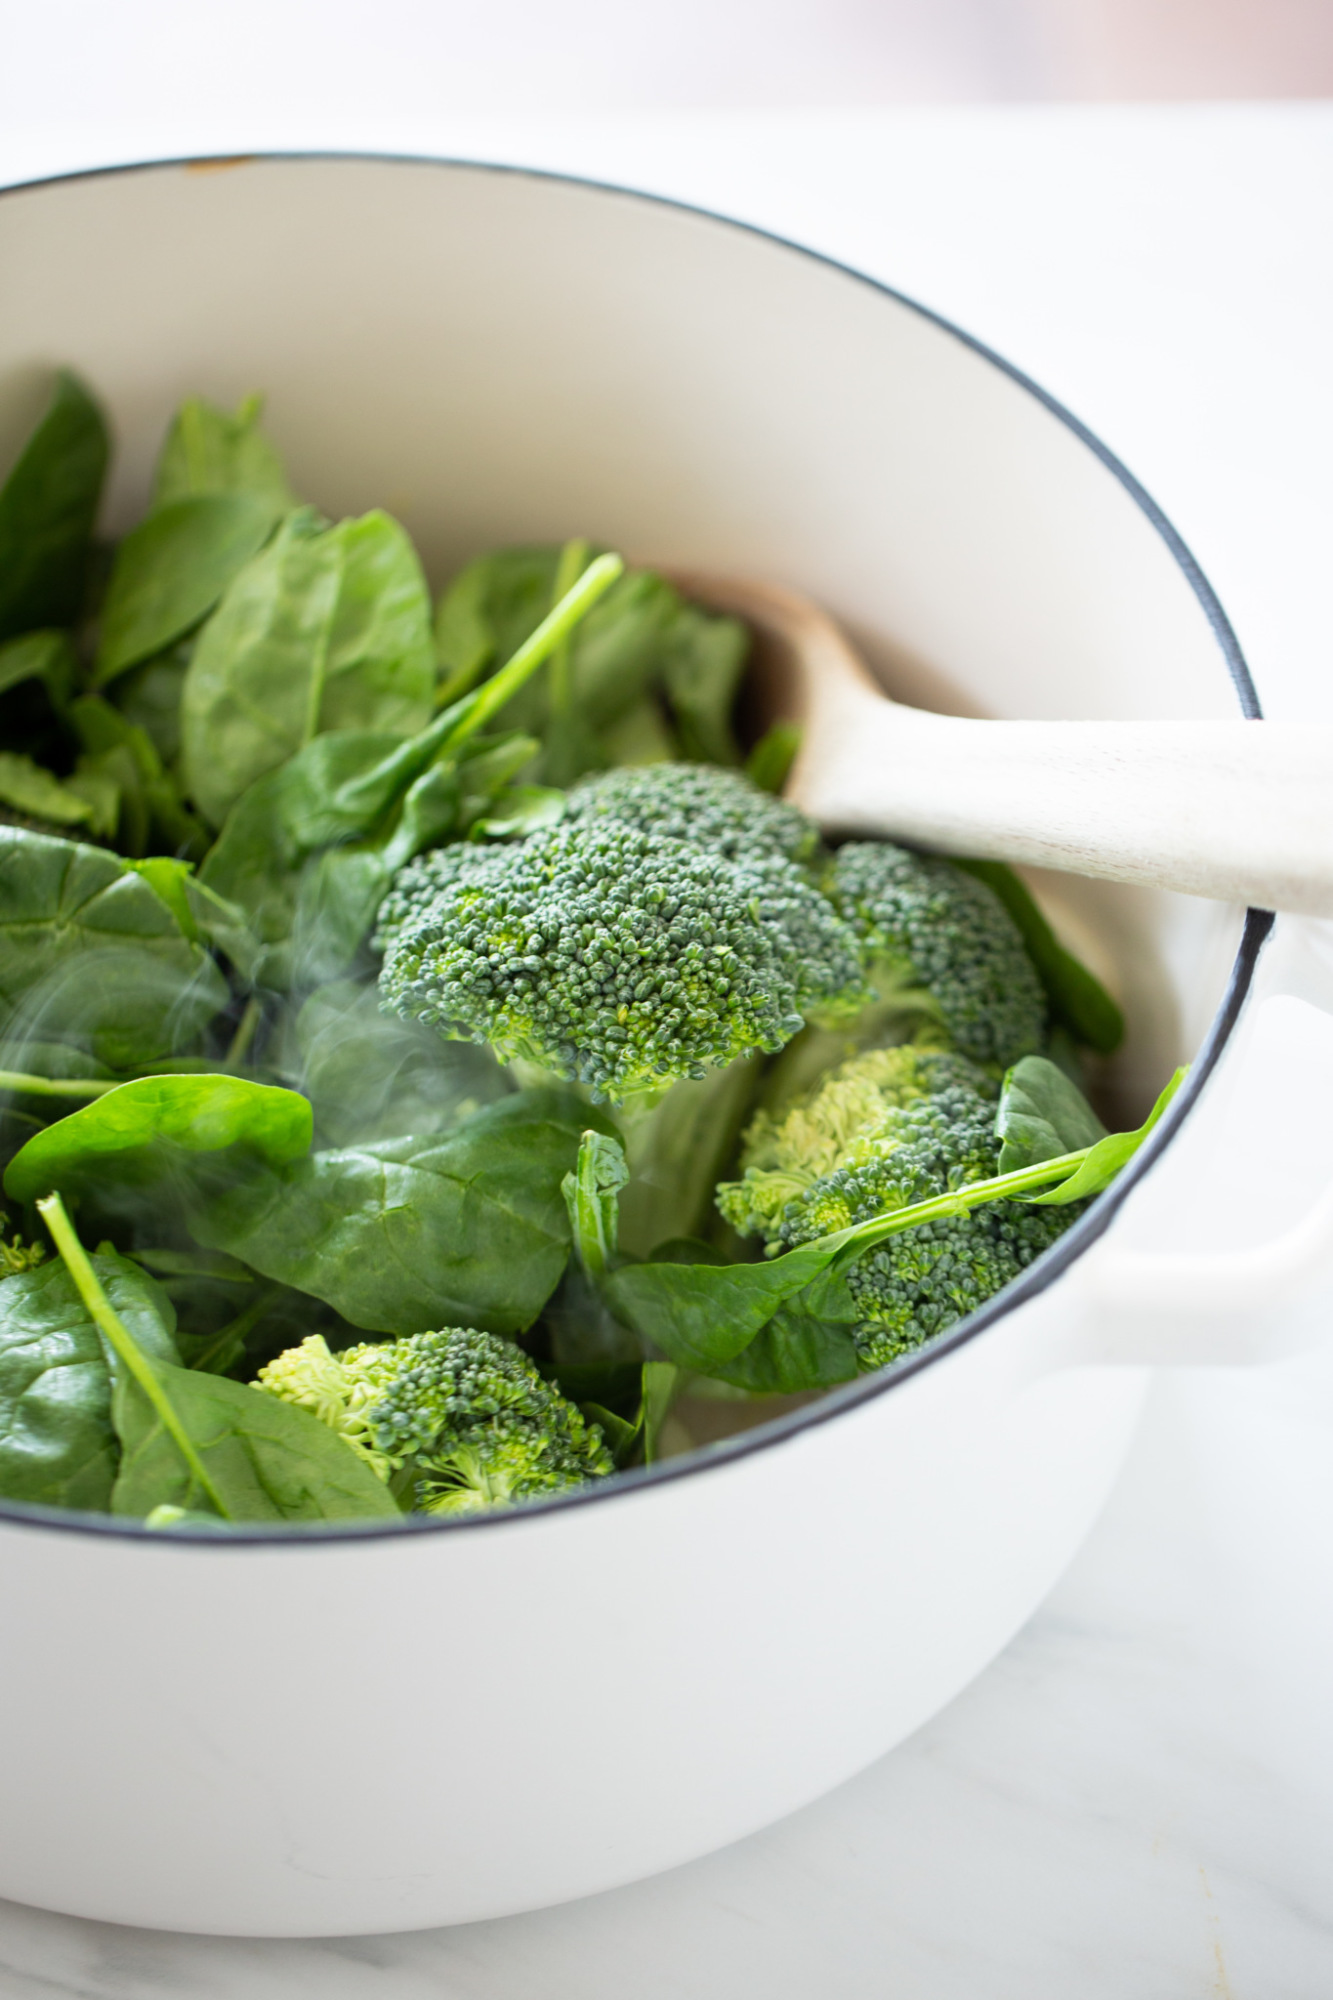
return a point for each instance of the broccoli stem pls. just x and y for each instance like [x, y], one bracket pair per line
[104, 1315]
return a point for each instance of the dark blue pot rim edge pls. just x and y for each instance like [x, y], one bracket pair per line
[1048, 1267]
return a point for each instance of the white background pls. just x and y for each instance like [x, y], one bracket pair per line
[1137, 1799]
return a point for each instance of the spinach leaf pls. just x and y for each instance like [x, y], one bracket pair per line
[806, 1345]
[769, 763]
[703, 664]
[702, 1315]
[171, 570]
[45, 656]
[91, 955]
[1041, 1115]
[57, 1444]
[48, 506]
[328, 629]
[266, 1459]
[149, 698]
[1077, 999]
[383, 799]
[190, 1439]
[26, 788]
[135, 1132]
[599, 704]
[372, 1076]
[208, 450]
[465, 1229]
[310, 905]
[1109, 1155]
[148, 808]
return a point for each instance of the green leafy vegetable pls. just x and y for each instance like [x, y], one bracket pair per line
[465, 1229]
[393, 795]
[592, 1196]
[48, 506]
[45, 656]
[370, 1077]
[29, 789]
[90, 955]
[57, 1443]
[208, 450]
[327, 629]
[171, 570]
[1041, 1115]
[646, 676]
[149, 806]
[132, 1131]
[1103, 1161]
[769, 763]
[264, 1460]
[191, 1440]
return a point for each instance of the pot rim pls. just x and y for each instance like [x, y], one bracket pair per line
[1047, 1268]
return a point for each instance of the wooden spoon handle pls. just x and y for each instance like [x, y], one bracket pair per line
[1241, 811]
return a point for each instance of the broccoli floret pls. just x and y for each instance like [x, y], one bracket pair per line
[718, 809]
[615, 958]
[913, 1286]
[459, 1420]
[927, 925]
[874, 1130]
[886, 1129]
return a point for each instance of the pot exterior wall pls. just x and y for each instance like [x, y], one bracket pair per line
[385, 1734]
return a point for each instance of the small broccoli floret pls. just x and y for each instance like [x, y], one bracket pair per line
[876, 1129]
[927, 925]
[616, 958]
[714, 808]
[458, 1419]
[884, 1130]
[913, 1286]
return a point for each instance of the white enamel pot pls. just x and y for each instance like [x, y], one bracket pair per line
[352, 1732]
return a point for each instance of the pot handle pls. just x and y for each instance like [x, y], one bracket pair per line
[1223, 1255]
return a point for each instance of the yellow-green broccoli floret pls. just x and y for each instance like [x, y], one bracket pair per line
[885, 1129]
[618, 959]
[714, 808]
[800, 1165]
[926, 925]
[453, 1421]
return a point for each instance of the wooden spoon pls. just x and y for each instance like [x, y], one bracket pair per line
[1242, 811]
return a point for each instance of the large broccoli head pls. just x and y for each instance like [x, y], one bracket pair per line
[925, 924]
[884, 1130]
[617, 958]
[717, 809]
[459, 1420]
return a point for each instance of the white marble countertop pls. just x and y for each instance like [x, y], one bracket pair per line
[1137, 1798]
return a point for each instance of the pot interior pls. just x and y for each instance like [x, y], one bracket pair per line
[500, 356]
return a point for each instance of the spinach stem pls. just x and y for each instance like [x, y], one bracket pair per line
[239, 1046]
[236, 1329]
[53, 1213]
[56, 1086]
[477, 708]
[573, 562]
[961, 1201]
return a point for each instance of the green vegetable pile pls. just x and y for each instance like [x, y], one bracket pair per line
[436, 1068]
